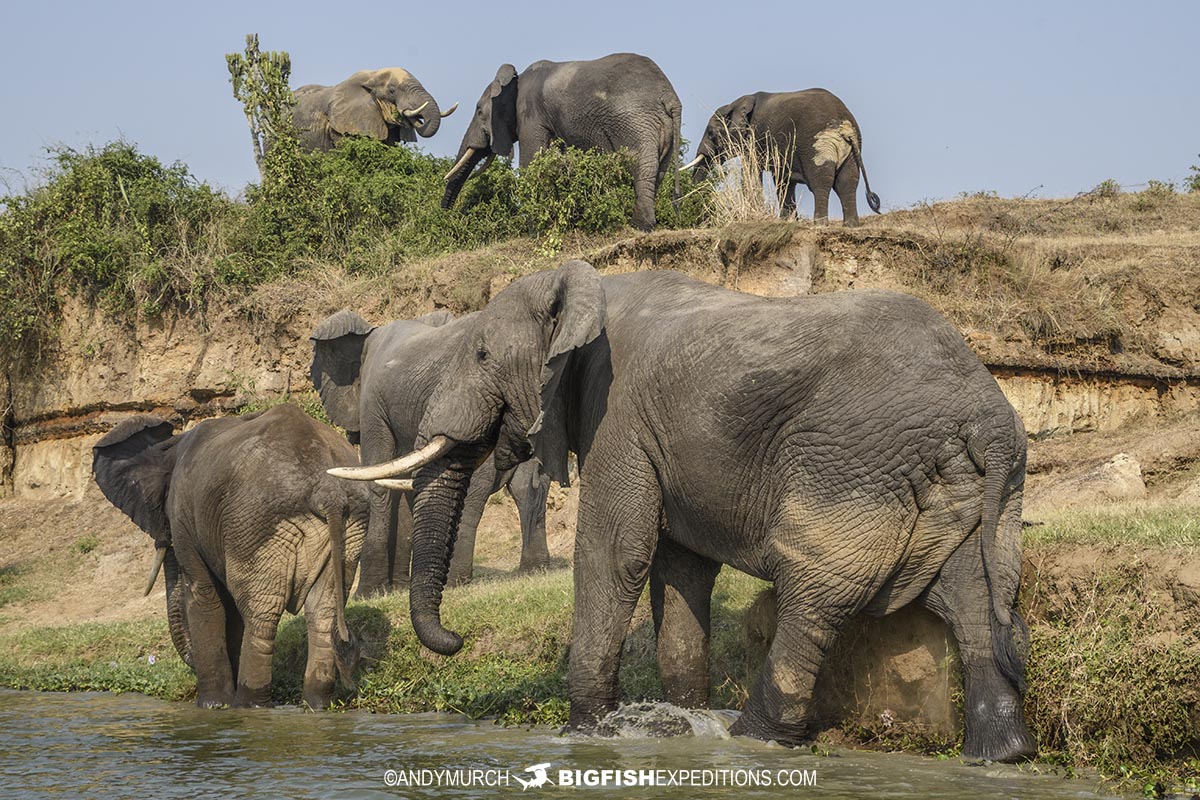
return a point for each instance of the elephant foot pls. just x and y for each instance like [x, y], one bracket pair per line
[998, 738]
[214, 701]
[538, 564]
[586, 715]
[318, 701]
[253, 698]
[458, 580]
[758, 727]
[850, 222]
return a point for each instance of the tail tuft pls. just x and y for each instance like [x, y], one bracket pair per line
[873, 201]
[1010, 647]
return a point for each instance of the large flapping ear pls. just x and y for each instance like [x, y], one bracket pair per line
[353, 109]
[577, 315]
[739, 112]
[503, 92]
[132, 465]
[338, 343]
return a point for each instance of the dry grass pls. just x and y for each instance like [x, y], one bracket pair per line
[740, 195]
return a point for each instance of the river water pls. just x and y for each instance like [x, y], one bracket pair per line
[105, 745]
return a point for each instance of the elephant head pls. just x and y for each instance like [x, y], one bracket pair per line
[729, 124]
[385, 104]
[132, 465]
[503, 391]
[492, 132]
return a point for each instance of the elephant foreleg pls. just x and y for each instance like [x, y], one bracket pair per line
[788, 209]
[382, 565]
[681, 585]
[529, 487]
[480, 489]
[645, 187]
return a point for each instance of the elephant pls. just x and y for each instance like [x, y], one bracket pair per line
[848, 447]
[619, 101]
[385, 104]
[812, 129]
[247, 525]
[374, 382]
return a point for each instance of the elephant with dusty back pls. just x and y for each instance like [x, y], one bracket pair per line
[385, 104]
[247, 525]
[807, 137]
[374, 382]
[620, 101]
[848, 447]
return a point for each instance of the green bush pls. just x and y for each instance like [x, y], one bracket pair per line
[565, 189]
[1192, 181]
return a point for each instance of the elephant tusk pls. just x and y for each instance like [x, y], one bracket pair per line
[487, 162]
[449, 110]
[459, 165]
[405, 485]
[437, 446]
[416, 111]
[160, 555]
[692, 164]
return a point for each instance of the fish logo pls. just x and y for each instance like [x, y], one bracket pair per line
[539, 779]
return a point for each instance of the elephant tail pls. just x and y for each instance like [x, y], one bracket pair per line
[343, 642]
[1000, 544]
[872, 198]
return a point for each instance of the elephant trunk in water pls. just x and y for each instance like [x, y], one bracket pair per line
[441, 489]
[457, 177]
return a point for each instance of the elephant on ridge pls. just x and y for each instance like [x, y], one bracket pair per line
[385, 104]
[374, 382]
[620, 101]
[812, 132]
[848, 447]
[248, 525]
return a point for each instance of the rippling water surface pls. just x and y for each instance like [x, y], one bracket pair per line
[104, 745]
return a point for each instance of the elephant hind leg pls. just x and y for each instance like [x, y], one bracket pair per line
[645, 186]
[681, 585]
[320, 667]
[529, 487]
[206, 617]
[257, 652]
[846, 186]
[993, 713]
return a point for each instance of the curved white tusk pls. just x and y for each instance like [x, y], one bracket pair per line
[437, 446]
[449, 110]
[459, 165]
[487, 162]
[405, 485]
[692, 164]
[160, 554]
[416, 110]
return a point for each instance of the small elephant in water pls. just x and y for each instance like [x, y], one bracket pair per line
[848, 447]
[385, 104]
[248, 525]
[620, 101]
[374, 382]
[811, 132]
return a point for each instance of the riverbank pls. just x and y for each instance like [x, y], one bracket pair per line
[1112, 597]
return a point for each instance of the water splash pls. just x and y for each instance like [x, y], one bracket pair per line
[662, 720]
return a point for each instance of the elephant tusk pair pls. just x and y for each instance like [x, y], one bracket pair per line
[399, 485]
[438, 446]
[459, 164]
[160, 555]
[692, 164]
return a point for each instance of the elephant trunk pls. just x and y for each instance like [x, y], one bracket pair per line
[427, 121]
[176, 615]
[462, 170]
[441, 489]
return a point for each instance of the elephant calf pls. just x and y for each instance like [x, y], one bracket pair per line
[248, 526]
[385, 104]
[812, 133]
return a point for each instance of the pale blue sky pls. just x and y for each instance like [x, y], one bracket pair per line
[951, 96]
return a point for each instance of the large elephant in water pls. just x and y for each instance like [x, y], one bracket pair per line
[374, 382]
[620, 101]
[848, 447]
[385, 104]
[248, 525]
[807, 137]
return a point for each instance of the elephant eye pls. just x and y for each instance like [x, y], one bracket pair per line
[481, 355]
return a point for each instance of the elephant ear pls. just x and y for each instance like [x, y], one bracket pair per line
[738, 113]
[353, 110]
[338, 343]
[577, 315]
[132, 465]
[503, 93]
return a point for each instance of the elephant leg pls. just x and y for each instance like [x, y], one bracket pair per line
[379, 562]
[400, 523]
[529, 487]
[645, 186]
[820, 185]
[846, 186]
[261, 622]
[478, 492]
[788, 209]
[205, 615]
[681, 585]
[320, 668]
[994, 719]
[618, 530]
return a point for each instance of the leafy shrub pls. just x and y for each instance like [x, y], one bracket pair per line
[1192, 181]
[566, 189]
[1106, 189]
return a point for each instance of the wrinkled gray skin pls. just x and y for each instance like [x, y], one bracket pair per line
[848, 447]
[618, 101]
[793, 123]
[374, 382]
[254, 528]
[368, 103]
